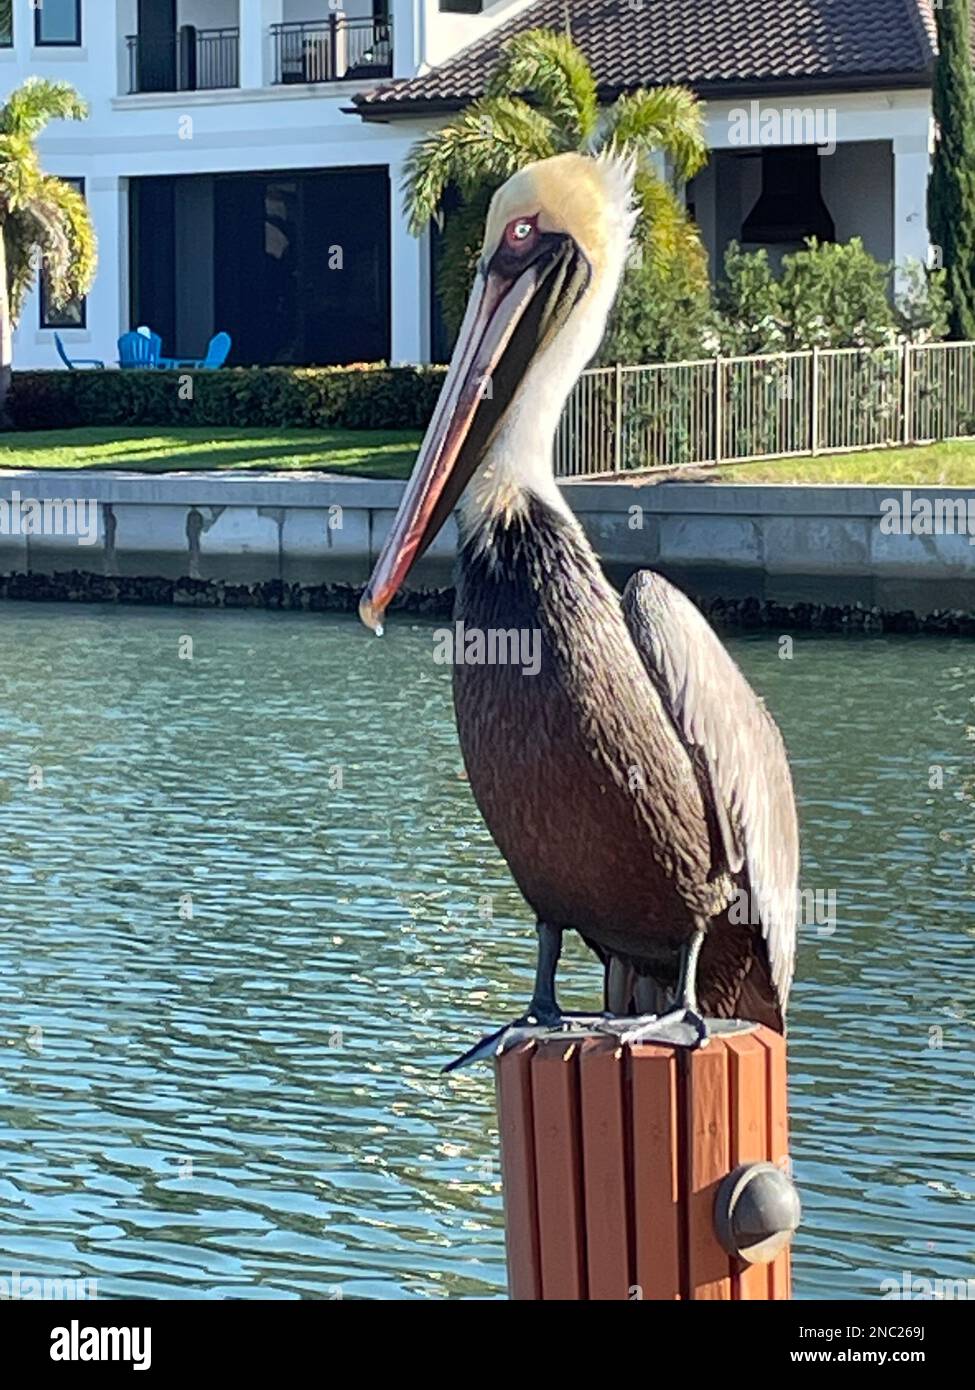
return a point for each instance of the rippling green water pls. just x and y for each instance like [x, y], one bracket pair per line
[242, 922]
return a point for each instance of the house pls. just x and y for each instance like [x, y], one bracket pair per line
[243, 158]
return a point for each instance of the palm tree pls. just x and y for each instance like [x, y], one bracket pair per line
[541, 100]
[44, 222]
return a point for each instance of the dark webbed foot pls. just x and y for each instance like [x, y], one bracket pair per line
[532, 1025]
[679, 1028]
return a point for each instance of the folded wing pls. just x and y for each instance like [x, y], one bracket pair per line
[726, 727]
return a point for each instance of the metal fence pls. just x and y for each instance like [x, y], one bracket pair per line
[332, 49]
[194, 60]
[735, 409]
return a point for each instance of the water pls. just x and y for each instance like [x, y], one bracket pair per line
[241, 926]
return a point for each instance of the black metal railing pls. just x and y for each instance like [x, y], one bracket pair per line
[194, 60]
[332, 50]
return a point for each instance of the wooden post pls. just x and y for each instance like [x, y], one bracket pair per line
[612, 1157]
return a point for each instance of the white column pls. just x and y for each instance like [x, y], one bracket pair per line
[410, 289]
[23, 16]
[912, 162]
[256, 46]
[108, 302]
[123, 25]
[408, 23]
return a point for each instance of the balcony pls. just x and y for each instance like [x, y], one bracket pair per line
[336, 49]
[194, 60]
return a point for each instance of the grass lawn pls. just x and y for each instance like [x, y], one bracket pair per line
[390, 454]
[148, 449]
[949, 464]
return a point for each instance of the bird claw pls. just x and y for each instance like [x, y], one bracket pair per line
[679, 1028]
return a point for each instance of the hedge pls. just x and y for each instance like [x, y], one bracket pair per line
[361, 397]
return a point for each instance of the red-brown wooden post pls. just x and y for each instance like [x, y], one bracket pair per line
[613, 1157]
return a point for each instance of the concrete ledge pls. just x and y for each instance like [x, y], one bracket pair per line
[787, 543]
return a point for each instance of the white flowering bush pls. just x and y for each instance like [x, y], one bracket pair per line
[826, 296]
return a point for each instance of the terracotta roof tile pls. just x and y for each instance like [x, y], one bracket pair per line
[709, 45]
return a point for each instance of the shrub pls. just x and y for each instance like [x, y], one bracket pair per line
[827, 296]
[922, 305]
[836, 296]
[750, 305]
[370, 396]
[663, 312]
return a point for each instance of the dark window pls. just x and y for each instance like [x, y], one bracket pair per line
[462, 6]
[74, 314]
[293, 265]
[6, 23]
[302, 266]
[57, 23]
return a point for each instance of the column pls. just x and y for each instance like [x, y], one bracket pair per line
[912, 162]
[108, 302]
[410, 290]
[408, 19]
[256, 43]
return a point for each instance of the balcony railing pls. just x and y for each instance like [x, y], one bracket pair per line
[332, 50]
[195, 60]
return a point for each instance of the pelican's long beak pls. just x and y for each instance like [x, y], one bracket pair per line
[505, 321]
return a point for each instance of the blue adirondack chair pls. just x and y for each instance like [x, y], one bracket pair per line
[218, 350]
[75, 363]
[139, 349]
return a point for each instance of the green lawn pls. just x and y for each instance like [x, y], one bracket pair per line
[930, 465]
[390, 454]
[365, 453]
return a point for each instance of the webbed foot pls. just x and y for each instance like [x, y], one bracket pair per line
[537, 1023]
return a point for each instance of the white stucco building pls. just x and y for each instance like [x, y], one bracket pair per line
[243, 158]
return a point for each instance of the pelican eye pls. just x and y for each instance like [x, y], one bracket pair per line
[520, 232]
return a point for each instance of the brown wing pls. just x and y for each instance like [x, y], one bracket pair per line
[721, 719]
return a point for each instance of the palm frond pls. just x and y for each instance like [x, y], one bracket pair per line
[669, 119]
[486, 143]
[22, 261]
[549, 70]
[36, 102]
[69, 246]
[665, 232]
[53, 232]
[20, 173]
[460, 248]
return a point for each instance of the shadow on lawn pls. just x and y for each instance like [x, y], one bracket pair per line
[154, 453]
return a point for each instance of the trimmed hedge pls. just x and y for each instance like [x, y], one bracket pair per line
[361, 397]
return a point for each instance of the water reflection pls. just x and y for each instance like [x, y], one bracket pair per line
[248, 907]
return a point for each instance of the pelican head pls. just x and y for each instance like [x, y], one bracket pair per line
[555, 244]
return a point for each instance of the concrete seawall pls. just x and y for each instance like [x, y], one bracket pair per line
[789, 544]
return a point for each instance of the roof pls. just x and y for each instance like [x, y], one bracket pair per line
[716, 47]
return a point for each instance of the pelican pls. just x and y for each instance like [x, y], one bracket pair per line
[634, 782]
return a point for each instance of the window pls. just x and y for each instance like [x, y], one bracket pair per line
[6, 23]
[57, 23]
[74, 314]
